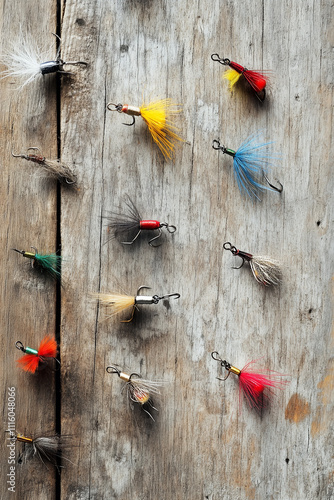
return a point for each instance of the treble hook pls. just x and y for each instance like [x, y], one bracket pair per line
[223, 362]
[60, 61]
[224, 61]
[119, 107]
[170, 228]
[243, 255]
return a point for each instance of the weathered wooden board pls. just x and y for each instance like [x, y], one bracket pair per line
[201, 445]
[28, 218]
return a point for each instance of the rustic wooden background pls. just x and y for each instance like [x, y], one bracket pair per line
[201, 445]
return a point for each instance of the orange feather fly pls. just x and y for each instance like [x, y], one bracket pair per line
[47, 349]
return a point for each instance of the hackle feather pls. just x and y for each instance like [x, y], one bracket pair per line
[258, 384]
[48, 349]
[266, 270]
[23, 60]
[252, 161]
[232, 76]
[115, 302]
[159, 116]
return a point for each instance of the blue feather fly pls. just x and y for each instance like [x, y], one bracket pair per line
[251, 164]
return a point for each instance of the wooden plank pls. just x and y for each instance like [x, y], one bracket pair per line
[29, 218]
[201, 445]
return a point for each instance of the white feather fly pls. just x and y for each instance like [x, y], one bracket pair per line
[26, 61]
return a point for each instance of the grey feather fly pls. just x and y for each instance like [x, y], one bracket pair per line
[54, 168]
[265, 270]
[139, 390]
[45, 448]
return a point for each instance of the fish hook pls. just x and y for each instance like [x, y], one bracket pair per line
[170, 228]
[278, 189]
[234, 251]
[155, 238]
[60, 61]
[119, 107]
[225, 364]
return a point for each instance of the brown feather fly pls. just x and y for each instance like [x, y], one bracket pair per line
[55, 168]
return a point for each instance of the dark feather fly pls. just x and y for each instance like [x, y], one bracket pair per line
[132, 224]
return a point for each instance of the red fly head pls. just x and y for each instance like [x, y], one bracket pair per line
[256, 80]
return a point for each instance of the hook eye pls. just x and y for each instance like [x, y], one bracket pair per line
[228, 246]
[113, 369]
[170, 228]
[217, 358]
[19, 346]
[116, 107]
[169, 295]
[18, 251]
[224, 61]
[216, 145]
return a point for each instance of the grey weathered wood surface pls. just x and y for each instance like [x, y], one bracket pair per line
[201, 445]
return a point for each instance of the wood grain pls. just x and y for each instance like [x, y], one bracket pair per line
[201, 445]
[29, 218]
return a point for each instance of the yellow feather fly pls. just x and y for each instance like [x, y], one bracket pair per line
[159, 118]
[232, 76]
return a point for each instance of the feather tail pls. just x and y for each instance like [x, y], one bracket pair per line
[256, 80]
[251, 163]
[29, 362]
[48, 347]
[159, 118]
[50, 262]
[232, 76]
[266, 270]
[59, 171]
[257, 385]
[116, 302]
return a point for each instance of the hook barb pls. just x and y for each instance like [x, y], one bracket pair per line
[130, 124]
[278, 189]
[155, 238]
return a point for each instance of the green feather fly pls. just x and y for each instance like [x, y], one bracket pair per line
[51, 263]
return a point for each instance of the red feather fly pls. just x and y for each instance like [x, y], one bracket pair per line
[255, 79]
[256, 385]
[30, 361]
